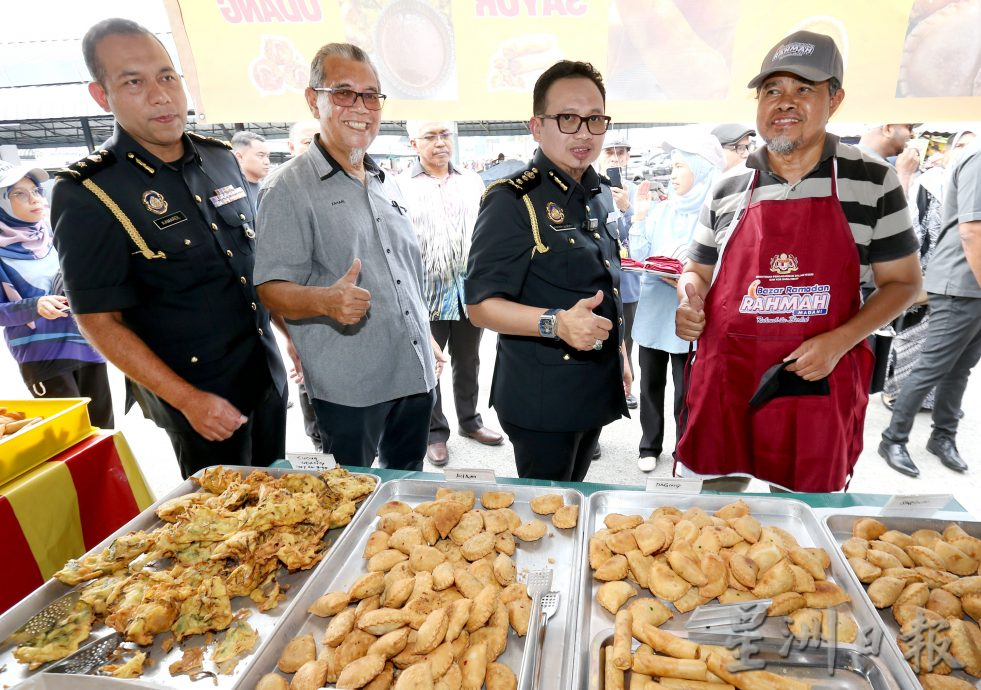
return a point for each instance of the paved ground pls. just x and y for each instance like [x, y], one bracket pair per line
[619, 442]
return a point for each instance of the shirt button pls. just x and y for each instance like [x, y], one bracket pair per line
[253, 305]
[587, 208]
[243, 280]
[572, 240]
[228, 252]
[187, 243]
[197, 198]
[616, 292]
[398, 282]
[406, 312]
[596, 235]
[241, 216]
[565, 357]
[378, 219]
[214, 226]
[388, 251]
[415, 342]
[606, 262]
[260, 331]
[620, 320]
[194, 360]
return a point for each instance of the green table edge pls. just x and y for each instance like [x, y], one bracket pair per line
[835, 500]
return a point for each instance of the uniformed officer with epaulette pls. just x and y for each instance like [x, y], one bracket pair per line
[544, 272]
[156, 240]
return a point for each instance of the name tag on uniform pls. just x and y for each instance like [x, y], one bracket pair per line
[172, 219]
[562, 228]
[227, 195]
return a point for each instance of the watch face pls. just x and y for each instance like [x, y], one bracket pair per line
[546, 326]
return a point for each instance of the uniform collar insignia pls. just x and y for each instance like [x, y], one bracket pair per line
[136, 160]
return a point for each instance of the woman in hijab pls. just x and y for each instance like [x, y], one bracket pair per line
[55, 360]
[926, 206]
[696, 159]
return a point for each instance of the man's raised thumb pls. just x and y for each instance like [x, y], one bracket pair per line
[694, 301]
[593, 301]
[352, 273]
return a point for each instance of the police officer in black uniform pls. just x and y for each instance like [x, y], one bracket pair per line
[155, 236]
[544, 272]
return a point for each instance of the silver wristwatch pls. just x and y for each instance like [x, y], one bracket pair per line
[546, 324]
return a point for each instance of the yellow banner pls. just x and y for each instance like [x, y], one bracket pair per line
[662, 60]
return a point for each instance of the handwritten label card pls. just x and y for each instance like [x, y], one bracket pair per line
[465, 475]
[915, 505]
[318, 462]
[674, 485]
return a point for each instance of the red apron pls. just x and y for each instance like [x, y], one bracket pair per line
[789, 272]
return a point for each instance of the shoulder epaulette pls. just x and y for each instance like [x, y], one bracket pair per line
[520, 183]
[209, 140]
[85, 167]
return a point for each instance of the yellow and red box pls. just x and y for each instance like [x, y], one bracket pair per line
[66, 422]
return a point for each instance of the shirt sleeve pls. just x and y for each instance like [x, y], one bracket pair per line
[284, 241]
[969, 190]
[94, 252]
[892, 230]
[501, 248]
[703, 248]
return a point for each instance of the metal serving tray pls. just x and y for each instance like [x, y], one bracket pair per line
[794, 516]
[840, 527]
[852, 670]
[560, 550]
[13, 672]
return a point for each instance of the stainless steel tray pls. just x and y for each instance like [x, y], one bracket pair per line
[840, 527]
[560, 550]
[794, 516]
[852, 670]
[265, 622]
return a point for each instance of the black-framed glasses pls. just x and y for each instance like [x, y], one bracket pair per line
[741, 148]
[570, 123]
[433, 138]
[23, 195]
[348, 97]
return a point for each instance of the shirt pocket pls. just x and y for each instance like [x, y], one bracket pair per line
[238, 216]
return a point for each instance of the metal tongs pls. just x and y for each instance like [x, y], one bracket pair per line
[89, 658]
[538, 583]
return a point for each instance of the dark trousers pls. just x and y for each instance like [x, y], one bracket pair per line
[562, 456]
[464, 349]
[653, 379]
[397, 430]
[952, 348]
[259, 442]
[629, 312]
[88, 381]
[310, 426]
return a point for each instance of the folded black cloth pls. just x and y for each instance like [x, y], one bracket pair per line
[777, 382]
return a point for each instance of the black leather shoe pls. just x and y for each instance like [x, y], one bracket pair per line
[945, 449]
[897, 457]
[597, 452]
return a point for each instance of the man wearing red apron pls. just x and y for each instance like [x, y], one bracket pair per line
[790, 239]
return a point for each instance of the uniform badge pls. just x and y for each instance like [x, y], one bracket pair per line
[554, 212]
[154, 202]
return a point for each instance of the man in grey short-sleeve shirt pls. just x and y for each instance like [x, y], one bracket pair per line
[953, 344]
[337, 256]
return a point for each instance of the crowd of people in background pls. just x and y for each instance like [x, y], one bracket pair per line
[173, 255]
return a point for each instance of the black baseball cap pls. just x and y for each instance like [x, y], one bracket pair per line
[731, 133]
[813, 56]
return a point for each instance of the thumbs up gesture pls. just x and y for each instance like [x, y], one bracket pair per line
[347, 303]
[580, 327]
[689, 318]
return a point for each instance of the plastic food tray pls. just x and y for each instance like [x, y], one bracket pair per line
[66, 422]
[265, 622]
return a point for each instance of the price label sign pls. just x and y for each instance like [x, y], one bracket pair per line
[674, 485]
[318, 462]
[915, 505]
[464, 475]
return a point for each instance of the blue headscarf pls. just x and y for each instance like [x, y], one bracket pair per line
[703, 173]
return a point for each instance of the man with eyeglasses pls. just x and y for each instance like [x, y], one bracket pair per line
[155, 236]
[544, 272]
[443, 201]
[737, 143]
[339, 259]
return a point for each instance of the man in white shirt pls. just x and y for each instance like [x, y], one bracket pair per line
[443, 202]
